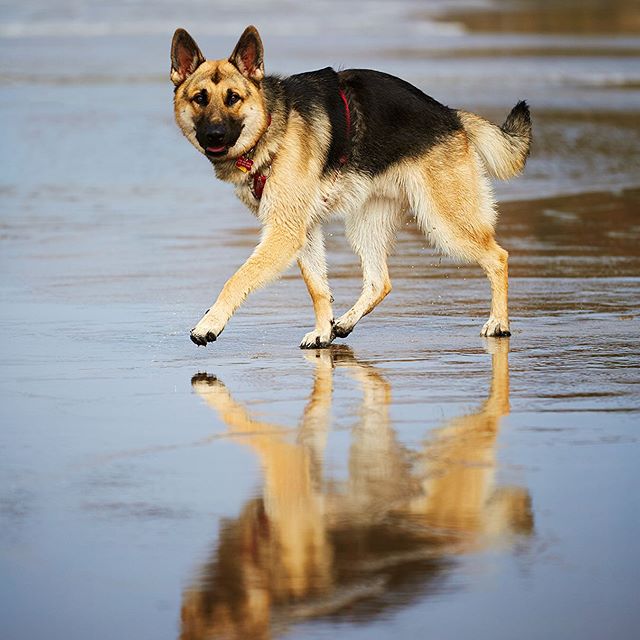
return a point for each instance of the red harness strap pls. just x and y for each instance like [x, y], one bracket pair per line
[258, 185]
[347, 113]
[245, 163]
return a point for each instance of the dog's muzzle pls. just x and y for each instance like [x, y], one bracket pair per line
[217, 139]
[214, 140]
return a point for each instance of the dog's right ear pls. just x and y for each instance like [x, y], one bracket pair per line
[185, 57]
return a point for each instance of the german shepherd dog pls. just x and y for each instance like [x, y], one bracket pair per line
[363, 143]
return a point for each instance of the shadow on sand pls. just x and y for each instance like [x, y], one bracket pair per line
[388, 535]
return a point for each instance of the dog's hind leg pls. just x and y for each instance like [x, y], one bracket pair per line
[371, 232]
[494, 262]
[313, 266]
[454, 207]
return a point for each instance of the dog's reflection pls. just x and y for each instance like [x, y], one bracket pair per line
[311, 547]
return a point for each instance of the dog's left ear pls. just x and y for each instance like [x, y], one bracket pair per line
[185, 56]
[247, 57]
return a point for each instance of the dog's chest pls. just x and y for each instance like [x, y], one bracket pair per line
[242, 182]
[244, 192]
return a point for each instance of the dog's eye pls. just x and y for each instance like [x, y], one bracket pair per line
[232, 98]
[200, 98]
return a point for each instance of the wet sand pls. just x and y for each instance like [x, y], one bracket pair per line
[414, 480]
[550, 16]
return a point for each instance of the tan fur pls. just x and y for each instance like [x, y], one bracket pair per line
[313, 267]
[277, 563]
[504, 155]
[251, 108]
[447, 189]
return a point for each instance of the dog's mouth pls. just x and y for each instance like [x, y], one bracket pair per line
[217, 152]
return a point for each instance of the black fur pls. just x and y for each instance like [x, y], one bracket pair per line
[519, 119]
[390, 118]
[518, 122]
[393, 119]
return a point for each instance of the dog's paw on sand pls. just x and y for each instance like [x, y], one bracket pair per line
[317, 339]
[495, 328]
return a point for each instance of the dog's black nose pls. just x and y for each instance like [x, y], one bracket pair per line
[215, 135]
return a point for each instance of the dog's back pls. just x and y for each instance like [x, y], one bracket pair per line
[395, 121]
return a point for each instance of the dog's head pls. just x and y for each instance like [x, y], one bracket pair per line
[219, 104]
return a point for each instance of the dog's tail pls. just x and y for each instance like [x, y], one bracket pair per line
[503, 150]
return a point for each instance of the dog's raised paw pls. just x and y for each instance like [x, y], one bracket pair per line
[341, 332]
[495, 328]
[207, 330]
[202, 339]
[317, 340]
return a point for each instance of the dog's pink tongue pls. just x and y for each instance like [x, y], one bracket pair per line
[216, 149]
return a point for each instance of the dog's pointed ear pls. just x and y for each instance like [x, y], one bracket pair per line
[185, 57]
[247, 57]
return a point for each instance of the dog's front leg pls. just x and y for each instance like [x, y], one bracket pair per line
[313, 266]
[278, 248]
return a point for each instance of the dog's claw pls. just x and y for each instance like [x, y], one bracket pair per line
[315, 345]
[211, 337]
[198, 340]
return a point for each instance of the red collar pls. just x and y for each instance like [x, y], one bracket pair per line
[245, 162]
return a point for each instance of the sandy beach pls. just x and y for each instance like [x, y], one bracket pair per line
[415, 480]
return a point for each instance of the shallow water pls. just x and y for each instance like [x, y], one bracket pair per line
[420, 481]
